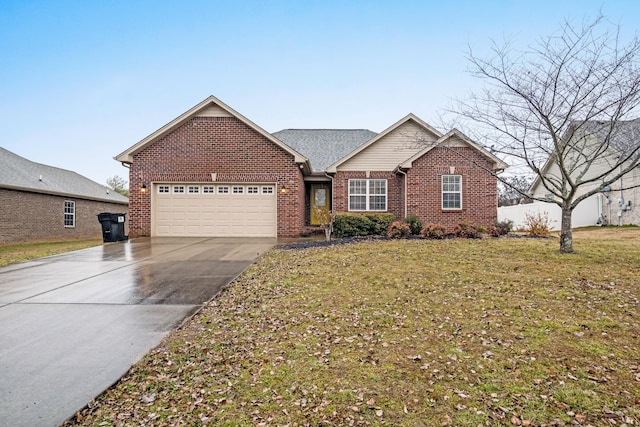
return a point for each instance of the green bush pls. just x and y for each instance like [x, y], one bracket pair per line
[361, 224]
[433, 231]
[415, 225]
[381, 222]
[467, 230]
[398, 230]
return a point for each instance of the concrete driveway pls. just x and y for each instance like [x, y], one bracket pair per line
[71, 325]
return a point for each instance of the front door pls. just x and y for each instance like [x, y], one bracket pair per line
[319, 203]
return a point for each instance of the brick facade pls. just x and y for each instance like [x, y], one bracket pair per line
[424, 188]
[479, 187]
[227, 147]
[28, 217]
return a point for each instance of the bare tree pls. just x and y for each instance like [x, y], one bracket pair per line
[562, 109]
[326, 220]
[119, 185]
[513, 190]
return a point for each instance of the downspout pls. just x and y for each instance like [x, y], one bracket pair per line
[621, 205]
[330, 178]
[405, 189]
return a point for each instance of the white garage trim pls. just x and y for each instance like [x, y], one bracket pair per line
[213, 210]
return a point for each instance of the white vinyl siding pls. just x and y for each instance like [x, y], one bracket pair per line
[451, 192]
[391, 150]
[368, 195]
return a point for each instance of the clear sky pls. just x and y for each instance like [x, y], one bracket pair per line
[81, 81]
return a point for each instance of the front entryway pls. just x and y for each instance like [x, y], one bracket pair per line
[320, 202]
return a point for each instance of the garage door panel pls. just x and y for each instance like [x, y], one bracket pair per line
[214, 214]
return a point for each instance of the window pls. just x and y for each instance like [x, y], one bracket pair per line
[163, 189]
[451, 192]
[367, 194]
[237, 189]
[252, 189]
[194, 189]
[178, 189]
[208, 189]
[267, 190]
[223, 189]
[69, 214]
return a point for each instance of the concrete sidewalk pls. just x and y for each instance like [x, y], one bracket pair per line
[71, 325]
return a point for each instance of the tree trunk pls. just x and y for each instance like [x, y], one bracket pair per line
[566, 235]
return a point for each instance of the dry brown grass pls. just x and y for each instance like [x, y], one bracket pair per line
[405, 333]
[20, 252]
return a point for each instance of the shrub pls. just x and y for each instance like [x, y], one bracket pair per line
[536, 224]
[415, 225]
[493, 231]
[398, 229]
[467, 229]
[504, 227]
[381, 222]
[353, 225]
[433, 231]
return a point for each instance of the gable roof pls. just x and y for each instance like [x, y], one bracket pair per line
[18, 173]
[324, 146]
[455, 133]
[409, 117]
[625, 136]
[625, 139]
[127, 155]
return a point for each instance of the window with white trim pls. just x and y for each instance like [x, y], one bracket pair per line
[194, 189]
[208, 189]
[451, 192]
[252, 189]
[267, 189]
[178, 189]
[69, 214]
[223, 189]
[367, 194]
[162, 189]
[238, 189]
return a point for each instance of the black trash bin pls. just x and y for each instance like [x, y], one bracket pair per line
[112, 226]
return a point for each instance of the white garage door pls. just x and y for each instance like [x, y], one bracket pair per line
[214, 210]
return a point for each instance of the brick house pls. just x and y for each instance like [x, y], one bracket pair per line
[213, 172]
[45, 203]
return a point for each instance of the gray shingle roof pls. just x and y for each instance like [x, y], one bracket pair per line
[625, 134]
[324, 147]
[19, 173]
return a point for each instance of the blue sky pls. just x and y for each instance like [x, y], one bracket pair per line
[81, 81]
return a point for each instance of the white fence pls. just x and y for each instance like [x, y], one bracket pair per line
[586, 213]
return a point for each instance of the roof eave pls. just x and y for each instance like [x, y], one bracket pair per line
[127, 155]
[63, 194]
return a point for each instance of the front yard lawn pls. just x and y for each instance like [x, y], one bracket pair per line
[405, 333]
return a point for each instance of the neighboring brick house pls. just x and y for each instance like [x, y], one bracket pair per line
[45, 203]
[213, 172]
